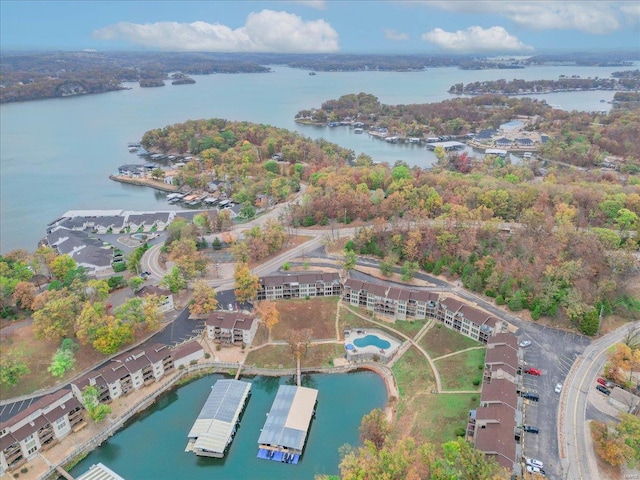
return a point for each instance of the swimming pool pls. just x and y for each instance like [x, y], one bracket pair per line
[371, 340]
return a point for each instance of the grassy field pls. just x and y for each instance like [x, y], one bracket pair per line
[413, 374]
[275, 356]
[437, 417]
[440, 340]
[458, 372]
[318, 314]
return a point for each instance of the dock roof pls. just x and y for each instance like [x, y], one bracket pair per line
[216, 422]
[289, 417]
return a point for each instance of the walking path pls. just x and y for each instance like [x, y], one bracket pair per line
[412, 341]
[458, 352]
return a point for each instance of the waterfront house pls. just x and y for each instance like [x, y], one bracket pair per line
[503, 142]
[186, 354]
[148, 221]
[166, 297]
[486, 134]
[109, 224]
[38, 428]
[87, 251]
[524, 142]
[230, 328]
[308, 284]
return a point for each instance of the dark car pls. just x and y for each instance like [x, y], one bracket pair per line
[530, 429]
[530, 396]
[602, 389]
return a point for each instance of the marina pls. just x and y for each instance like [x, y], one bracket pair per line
[216, 425]
[285, 432]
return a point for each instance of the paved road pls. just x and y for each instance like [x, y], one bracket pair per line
[578, 462]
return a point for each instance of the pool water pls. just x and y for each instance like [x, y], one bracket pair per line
[371, 340]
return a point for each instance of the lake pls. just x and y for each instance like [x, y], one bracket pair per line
[152, 445]
[56, 155]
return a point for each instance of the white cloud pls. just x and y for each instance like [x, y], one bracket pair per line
[475, 39]
[592, 17]
[266, 31]
[394, 35]
[317, 4]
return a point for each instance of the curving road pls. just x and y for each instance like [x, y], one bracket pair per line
[578, 462]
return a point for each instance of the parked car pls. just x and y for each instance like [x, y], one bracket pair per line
[530, 429]
[530, 396]
[602, 389]
[533, 462]
[525, 343]
[602, 381]
[532, 469]
[533, 371]
[558, 388]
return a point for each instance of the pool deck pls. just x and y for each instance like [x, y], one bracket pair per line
[359, 333]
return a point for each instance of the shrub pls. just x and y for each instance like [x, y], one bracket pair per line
[181, 367]
[476, 381]
[500, 300]
[119, 267]
[207, 355]
[193, 362]
[286, 266]
[24, 470]
[116, 282]
[474, 398]
[459, 432]
[218, 347]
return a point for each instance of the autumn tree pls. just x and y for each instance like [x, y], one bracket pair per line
[55, 319]
[204, 299]
[268, 312]
[247, 284]
[622, 362]
[61, 265]
[375, 428]
[188, 260]
[112, 335]
[135, 283]
[609, 444]
[24, 294]
[151, 314]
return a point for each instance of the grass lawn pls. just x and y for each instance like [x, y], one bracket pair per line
[440, 340]
[261, 337]
[409, 327]
[318, 314]
[437, 417]
[413, 374]
[273, 356]
[458, 372]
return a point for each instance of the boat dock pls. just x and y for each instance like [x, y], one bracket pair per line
[285, 432]
[448, 146]
[216, 424]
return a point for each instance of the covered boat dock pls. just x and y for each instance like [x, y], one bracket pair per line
[216, 424]
[284, 433]
[448, 146]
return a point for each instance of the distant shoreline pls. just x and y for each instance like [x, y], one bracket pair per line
[144, 182]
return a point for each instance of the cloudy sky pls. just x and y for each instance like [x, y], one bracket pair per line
[323, 26]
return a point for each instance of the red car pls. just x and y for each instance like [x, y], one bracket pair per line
[533, 371]
[602, 382]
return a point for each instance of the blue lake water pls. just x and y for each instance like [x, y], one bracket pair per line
[152, 445]
[56, 155]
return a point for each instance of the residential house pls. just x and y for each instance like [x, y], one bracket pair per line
[308, 284]
[109, 224]
[524, 142]
[511, 126]
[88, 252]
[148, 221]
[38, 428]
[231, 328]
[166, 297]
[503, 142]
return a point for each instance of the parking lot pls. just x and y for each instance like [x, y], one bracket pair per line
[553, 352]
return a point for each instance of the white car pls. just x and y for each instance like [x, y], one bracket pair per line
[525, 343]
[534, 463]
[558, 388]
[532, 469]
